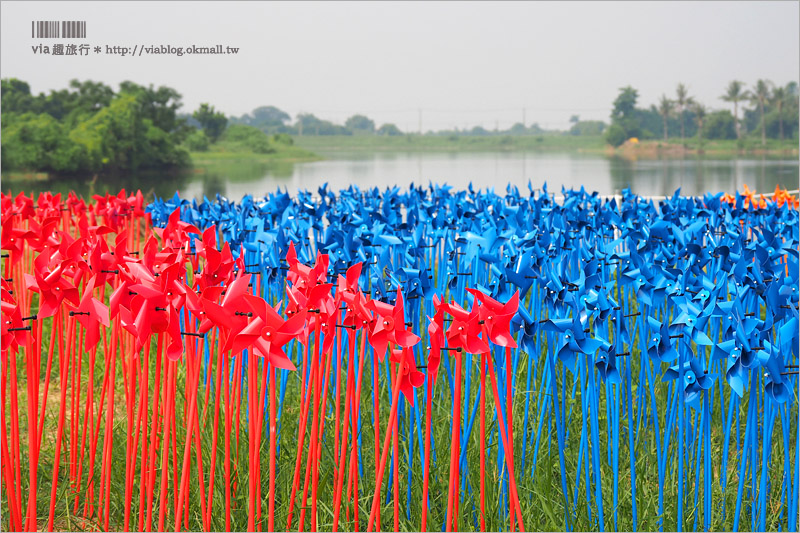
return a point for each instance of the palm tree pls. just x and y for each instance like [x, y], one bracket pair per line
[760, 96]
[735, 93]
[683, 101]
[779, 95]
[665, 109]
[700, 112]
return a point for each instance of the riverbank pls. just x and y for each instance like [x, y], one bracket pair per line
[284, 154]
[673, 148]
[455, 143]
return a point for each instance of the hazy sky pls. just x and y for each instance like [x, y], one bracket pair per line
[461, 63]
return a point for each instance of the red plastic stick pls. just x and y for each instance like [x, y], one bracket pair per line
[427, 468]
[385, 454]
[339, 480]
[273, 436]
[452, 488]
[482, 439]
[513, 482]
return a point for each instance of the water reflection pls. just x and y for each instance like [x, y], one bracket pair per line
[607, 175]
[161, 183]
[697, 176]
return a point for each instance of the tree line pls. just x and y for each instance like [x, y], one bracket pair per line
[89, 127]
[270, 119]
[768, 111]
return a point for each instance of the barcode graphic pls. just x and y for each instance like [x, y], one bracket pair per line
[54, 29]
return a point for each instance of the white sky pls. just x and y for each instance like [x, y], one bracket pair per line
[461, 63]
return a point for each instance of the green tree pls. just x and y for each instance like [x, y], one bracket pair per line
[760, 96]
[719, 125]
[39, 142]
[92, 95]
[89, 128]
[624, 104]
[782, 118]
[283, 138]
[518, 129]
[623, 115]
[682, 101]
[119, 137]
[309, 124]
[615, 135]
[63, 105]
[390, 130]
[700, 112]
[588, 127]
[779, 95]
[197, 141]
[735, 93]
[248, 137]
[360, 123]
[665, 109]
[213, 122]
[268, 116]
[269, 119]
[15, 96]
[160, 106]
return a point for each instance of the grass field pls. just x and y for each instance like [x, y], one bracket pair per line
[563, 143]
[542, 497]
[433, 143]
[223, 152]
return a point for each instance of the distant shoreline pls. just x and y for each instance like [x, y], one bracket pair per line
[332, 144]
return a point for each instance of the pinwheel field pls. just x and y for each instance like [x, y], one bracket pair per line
[419, 359]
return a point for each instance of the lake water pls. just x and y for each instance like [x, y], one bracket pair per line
[607, 175]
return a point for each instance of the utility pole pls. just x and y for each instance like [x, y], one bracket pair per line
[420, 121]
[523, 117]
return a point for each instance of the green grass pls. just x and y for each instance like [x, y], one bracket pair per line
[231, 151]
[747, 146]
[433, 143]
[542, 497]
[331, 144]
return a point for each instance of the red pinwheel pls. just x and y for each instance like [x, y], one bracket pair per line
[91, 313]
[13, 239]
[150, 312]
[322, 306]
[319, 274]
[302, 276]
[232, 315]
[298, 273]
[43, 234]
[53, 289]
[14, 330]
[410, 378]
[218, 266]
[102, 264]
[436, 337]
[176, 232]
[390, 326]
[497, 317]
[149, 308]
[465, 329]
[268, 332]
[357, 315]
[347, 285]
